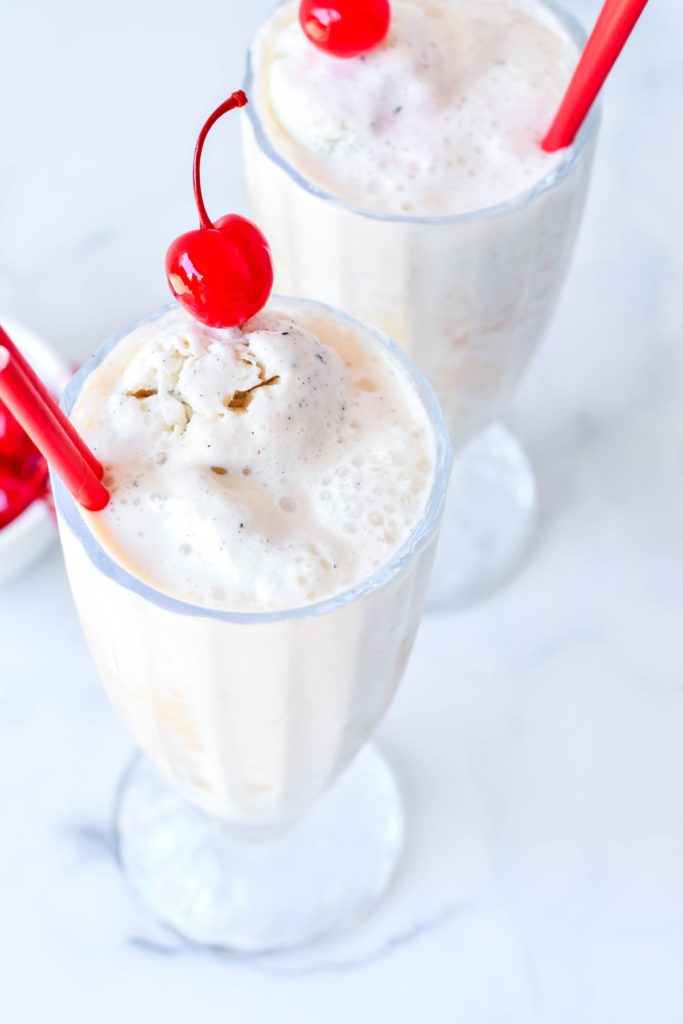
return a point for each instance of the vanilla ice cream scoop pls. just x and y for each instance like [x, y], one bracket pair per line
[257, 468]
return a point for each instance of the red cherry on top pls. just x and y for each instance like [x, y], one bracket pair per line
[221, 273]
[345, 28]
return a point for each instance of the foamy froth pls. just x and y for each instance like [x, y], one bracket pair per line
[445, 117]
[261, 468]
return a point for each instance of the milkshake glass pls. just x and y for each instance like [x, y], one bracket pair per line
[469, 296]
[246, 831]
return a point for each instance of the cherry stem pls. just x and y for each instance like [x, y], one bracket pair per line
[238, 99]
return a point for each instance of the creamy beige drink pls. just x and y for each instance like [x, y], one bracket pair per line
[445, 117]
[408, 185]
[275, 486]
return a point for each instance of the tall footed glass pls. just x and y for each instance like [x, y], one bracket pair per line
[469, 297]
[256, 821]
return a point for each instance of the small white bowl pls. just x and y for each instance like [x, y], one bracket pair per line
[29, 536]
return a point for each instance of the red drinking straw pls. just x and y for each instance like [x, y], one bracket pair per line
[48, 400]
[613, 27]
[46, 430]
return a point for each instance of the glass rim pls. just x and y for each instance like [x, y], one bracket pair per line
[70, 513]
[551, 180]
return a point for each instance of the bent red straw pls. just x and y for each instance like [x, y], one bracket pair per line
[613, 27]
[28, 406]
[48, 400]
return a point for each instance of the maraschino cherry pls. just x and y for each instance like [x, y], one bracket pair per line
[221, 273]
[15, 444]
[23, 471]
[345, 28]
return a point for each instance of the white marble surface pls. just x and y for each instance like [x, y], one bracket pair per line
[539, 736]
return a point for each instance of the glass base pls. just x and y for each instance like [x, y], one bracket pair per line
[489, 520]
[220, 889]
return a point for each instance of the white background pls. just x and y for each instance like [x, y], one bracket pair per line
[539, 737]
